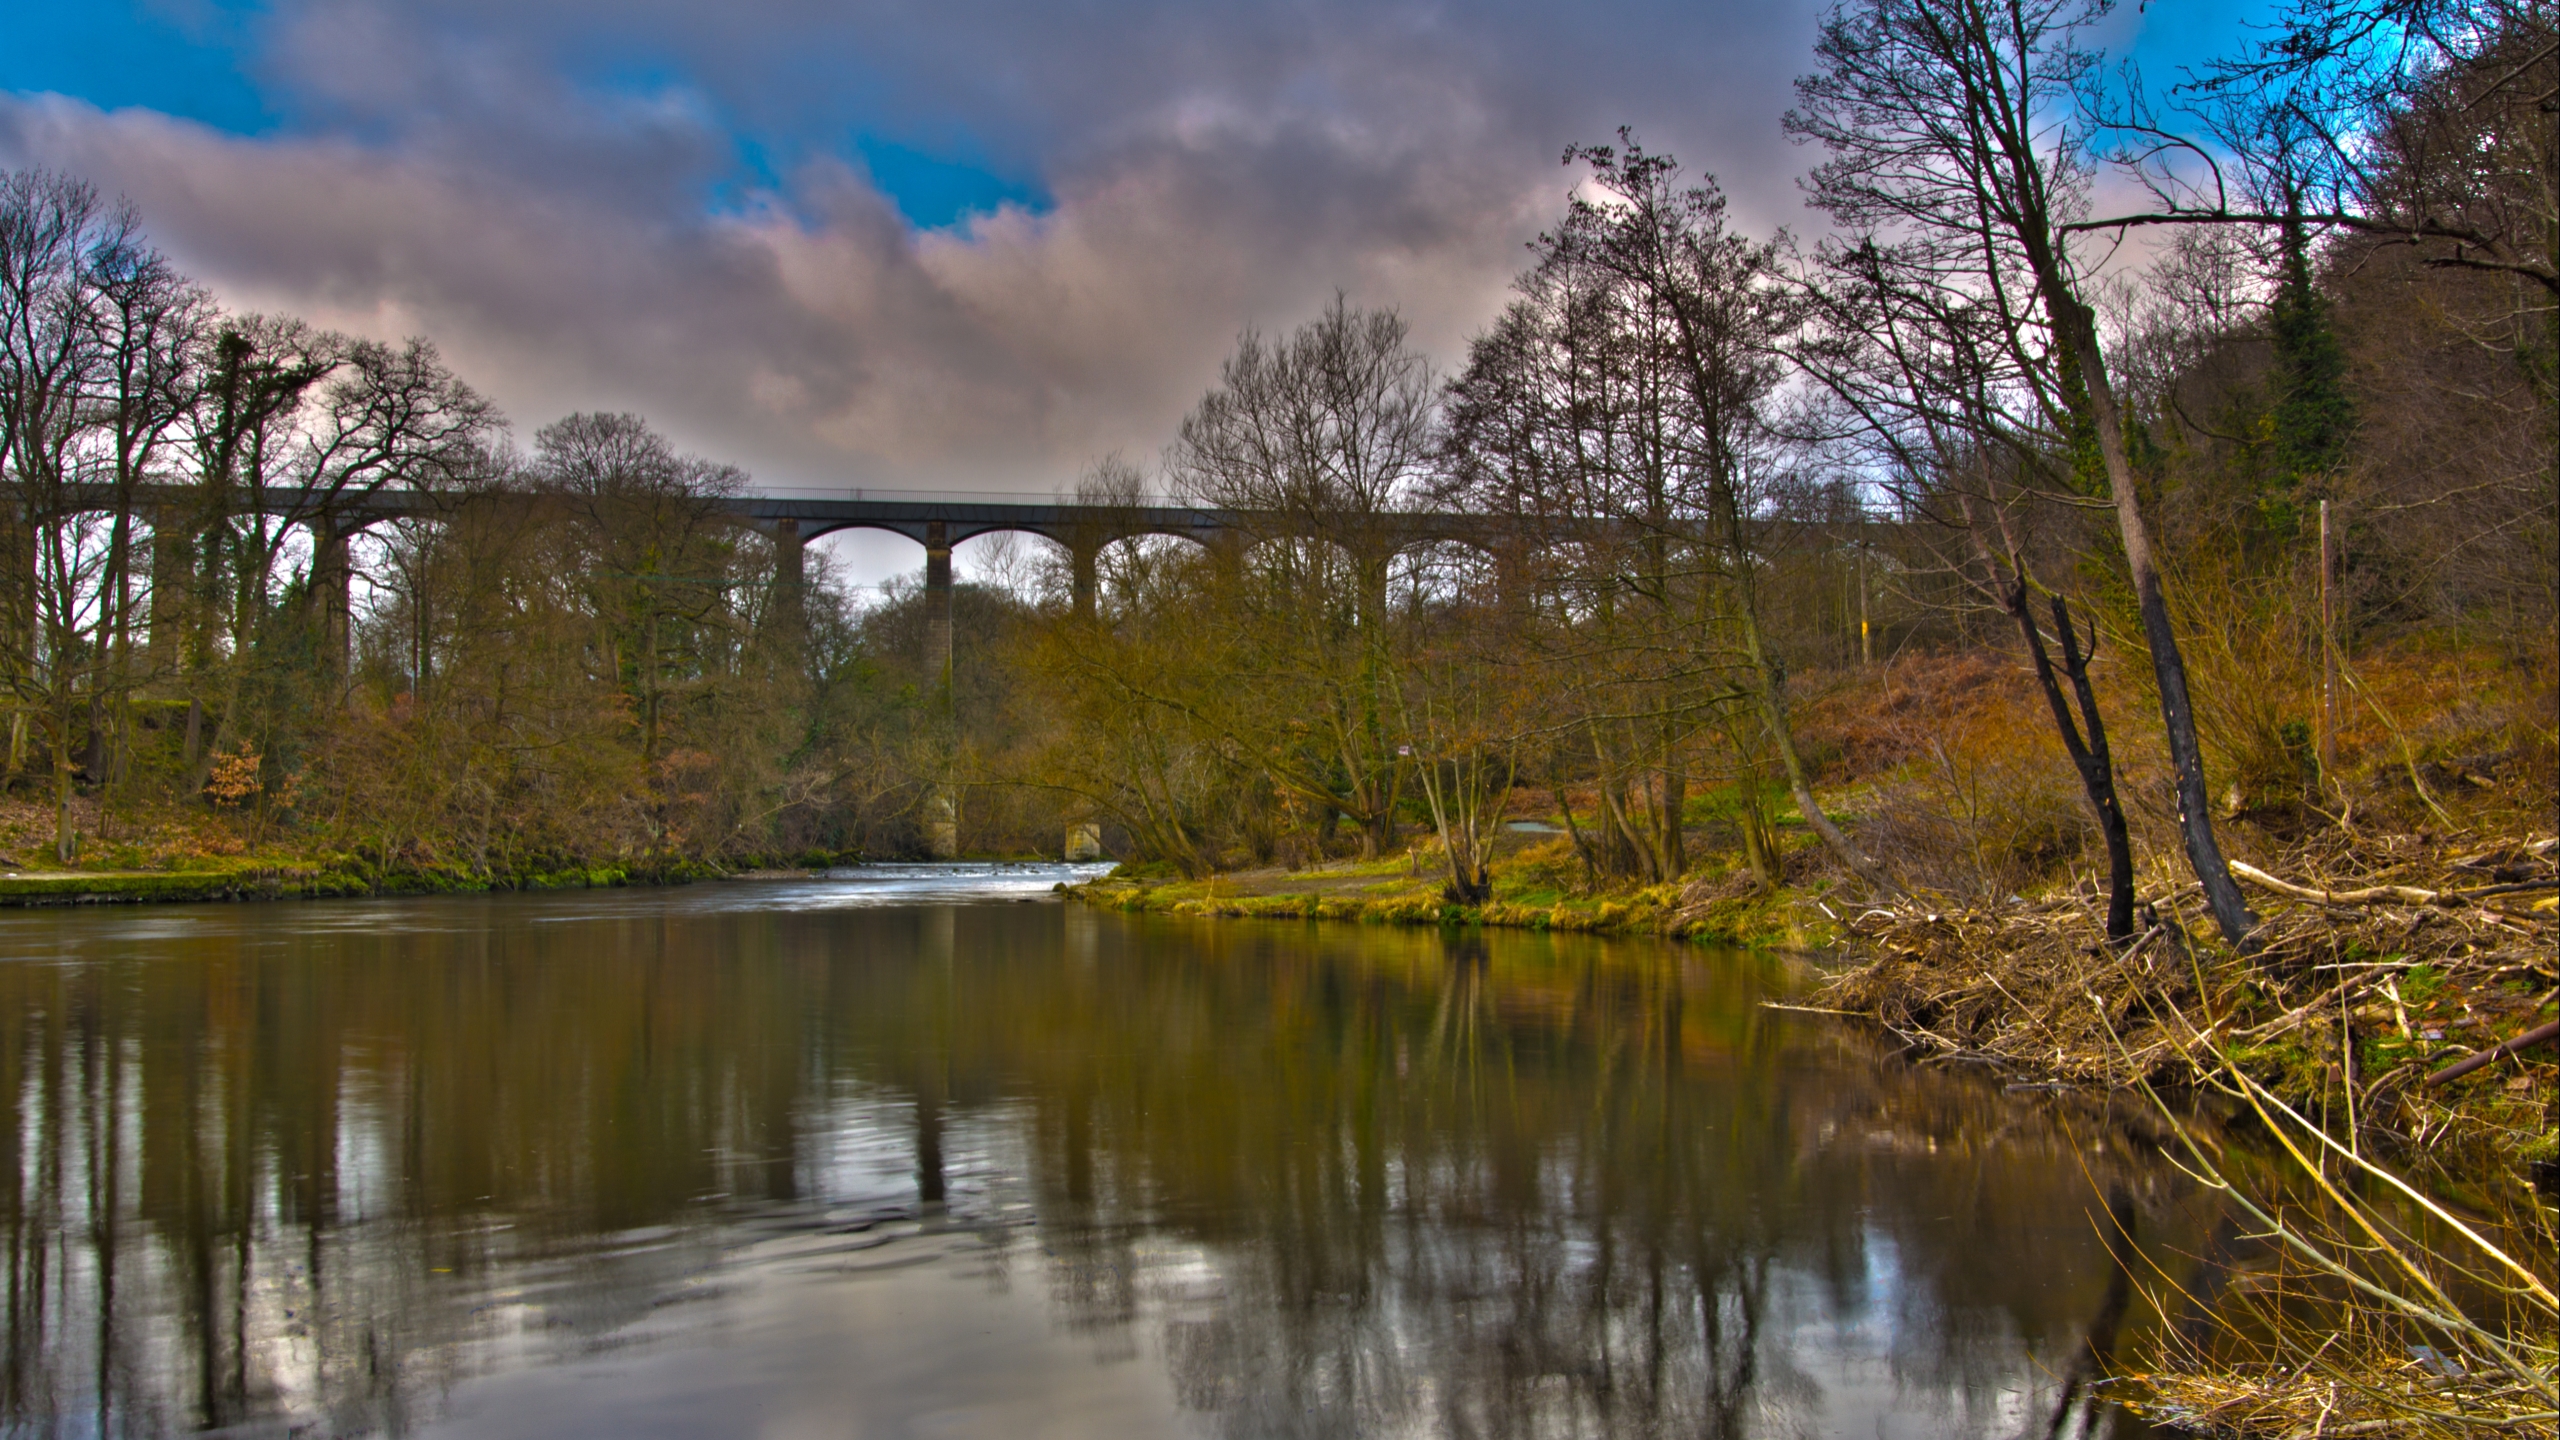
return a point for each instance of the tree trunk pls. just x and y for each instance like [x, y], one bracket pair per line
[2177, 713]
[2090, 756]
[1675, 801]
[1582, 848]
[1458, 813]
[1758, 854]
[66, 841]
[1770, 692]
[1378, 826]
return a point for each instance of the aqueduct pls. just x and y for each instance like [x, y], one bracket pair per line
[937, 522]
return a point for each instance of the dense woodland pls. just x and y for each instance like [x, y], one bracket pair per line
[1981, 538]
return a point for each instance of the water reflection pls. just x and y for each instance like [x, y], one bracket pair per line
[757, 1159]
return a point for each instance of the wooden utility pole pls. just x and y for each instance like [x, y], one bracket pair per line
[2328, 659]
[1866, 645]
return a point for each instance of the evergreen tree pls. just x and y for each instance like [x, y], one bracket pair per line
[2313, 417]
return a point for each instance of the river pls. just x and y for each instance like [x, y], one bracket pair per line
[930, 1152]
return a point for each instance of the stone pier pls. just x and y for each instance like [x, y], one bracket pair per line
[790, 582]
[942, 807]
[332, 592]
[1083, 564]
[937, 614]
[172, 577]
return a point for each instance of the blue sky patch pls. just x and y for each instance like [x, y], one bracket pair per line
[120, 53]
[936, 191]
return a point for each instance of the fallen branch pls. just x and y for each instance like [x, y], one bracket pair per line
[2460, 1068]
[2370, 895]
[2517, 888]
[2290, 1018]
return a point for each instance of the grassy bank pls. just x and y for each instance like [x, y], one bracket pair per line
[1535, 887]
[177, 853]
[291, 880]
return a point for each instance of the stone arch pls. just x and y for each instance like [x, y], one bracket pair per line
[1445, 570]
[816, 529]
[986, 559]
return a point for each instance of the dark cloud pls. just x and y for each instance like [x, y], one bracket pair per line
[660, 206]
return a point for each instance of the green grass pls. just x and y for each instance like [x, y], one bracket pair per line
[1776, 919]
[338, 876]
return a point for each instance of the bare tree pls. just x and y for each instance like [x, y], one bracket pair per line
[1953, 150]
[258, 373]
[1923, 383]
[1313, 441]
[2418, 123]
[649, 521]
[295, 429]
[151, 322]
[96, 338]
[1726, 313]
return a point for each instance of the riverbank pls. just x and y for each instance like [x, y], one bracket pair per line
[2388, 1038]
[2400, 992]
[2382, 961]
[1534, 888]
[290, 881]
[192, 854]
[2387, 1042]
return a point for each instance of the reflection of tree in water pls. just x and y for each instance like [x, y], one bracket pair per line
[1540, 1266]
[1481, 1185]
[267, 1171]
[1557, 1194]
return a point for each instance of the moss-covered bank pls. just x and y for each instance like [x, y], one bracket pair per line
[1720, 911]
[268, 881]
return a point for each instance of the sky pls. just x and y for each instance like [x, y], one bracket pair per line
[973, 245]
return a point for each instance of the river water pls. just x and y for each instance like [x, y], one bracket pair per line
[933, 1153]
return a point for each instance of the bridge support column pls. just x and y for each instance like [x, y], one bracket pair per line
[942, 810]
[1083, 562]
[1373, 590]
[1512, 580]
[1226, 554]
[1084, 841]
[937, 613]
[790, 618]
[171, 578]
[332, 596]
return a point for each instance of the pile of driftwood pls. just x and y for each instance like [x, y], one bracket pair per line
[2445, 958]
[2394, 988]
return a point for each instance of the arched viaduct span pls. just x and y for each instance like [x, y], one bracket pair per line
[1083, 529]
[936, 522]
[928, 518]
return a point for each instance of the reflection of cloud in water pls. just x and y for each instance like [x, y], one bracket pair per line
[936, 1333]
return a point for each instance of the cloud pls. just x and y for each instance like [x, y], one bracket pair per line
[662, 207]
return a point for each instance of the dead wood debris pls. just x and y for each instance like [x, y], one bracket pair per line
[2377, 965]
[2381, 964]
